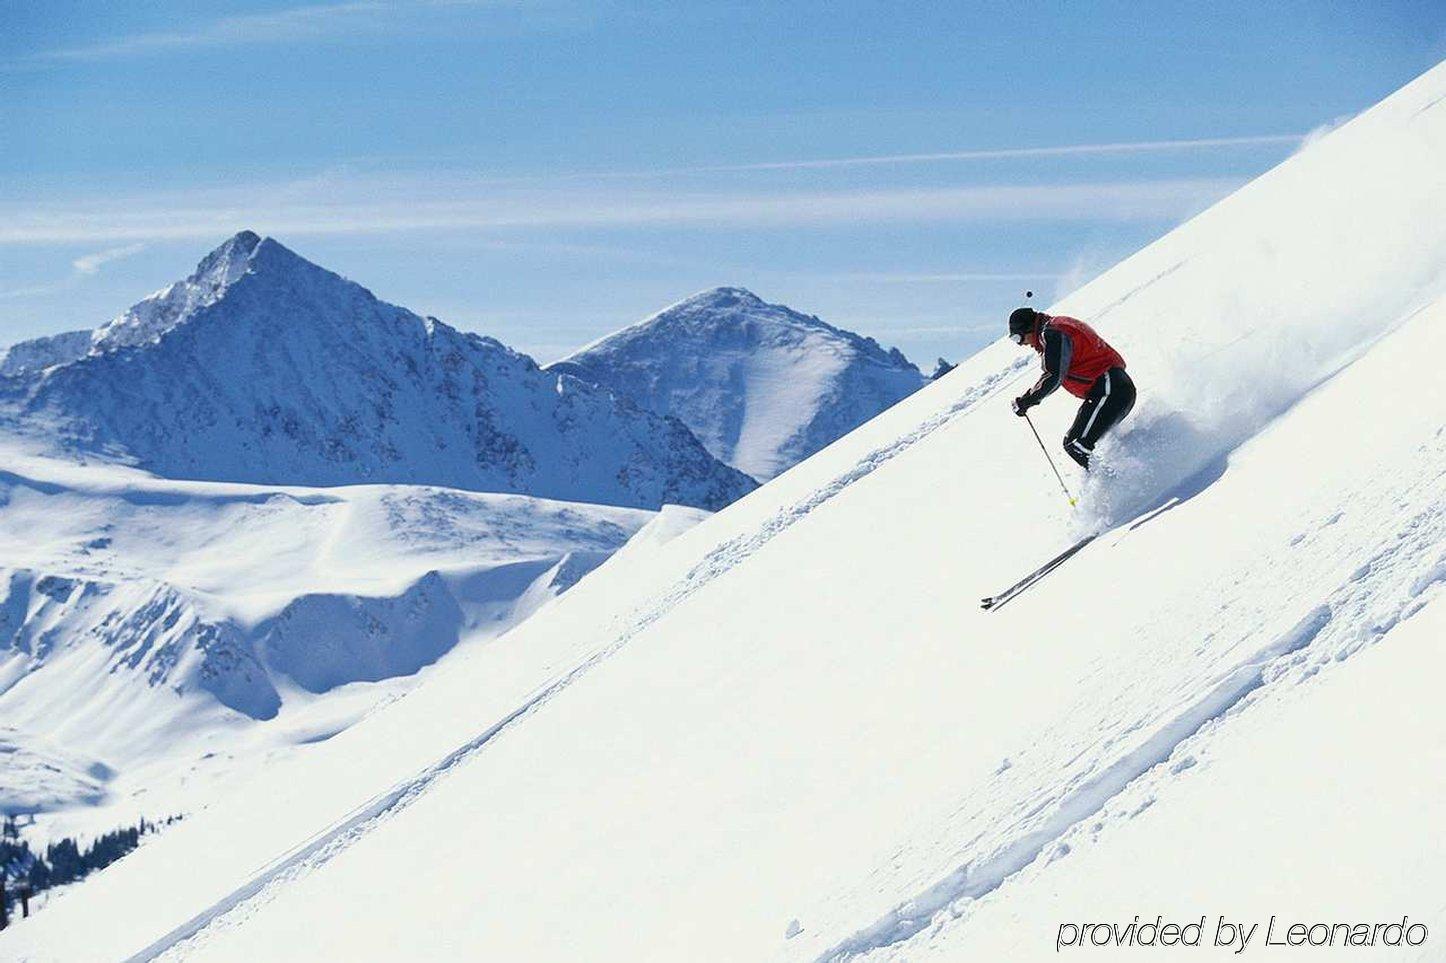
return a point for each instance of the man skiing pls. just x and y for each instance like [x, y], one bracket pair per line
[1075, 356]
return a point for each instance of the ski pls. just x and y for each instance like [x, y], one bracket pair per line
[994, 602]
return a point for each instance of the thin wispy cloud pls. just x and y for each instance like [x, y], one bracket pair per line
[1006, 153]
[438, 205]
[305, 23]
[87, 265]
[92, 263]
[30, 291]
[951, 277]
[294, 23]
[1115, 148]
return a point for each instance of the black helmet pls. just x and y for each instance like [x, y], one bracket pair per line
[1021, 323]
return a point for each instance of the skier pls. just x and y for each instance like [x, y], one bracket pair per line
[1076, 357]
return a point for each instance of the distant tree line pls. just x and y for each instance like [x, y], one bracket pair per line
[65, 860]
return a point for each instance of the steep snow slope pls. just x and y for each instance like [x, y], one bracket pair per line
[791, 734]
[1339, 777]
[148, 628]
[761, 385]
[262, 367]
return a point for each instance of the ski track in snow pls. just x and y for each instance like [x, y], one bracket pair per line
[332, 841]
[1389, 587]
[1097, 316]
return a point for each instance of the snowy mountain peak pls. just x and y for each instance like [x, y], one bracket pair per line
[150, 318]
[734, 307]
[762, 385]
[723, 297]
[731, 307]
[227, 262]
[246, 254]
[273, 261]
[157, 314]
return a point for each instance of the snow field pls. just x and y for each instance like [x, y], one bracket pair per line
[163, 636]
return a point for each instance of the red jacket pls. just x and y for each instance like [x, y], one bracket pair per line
[1086, 354]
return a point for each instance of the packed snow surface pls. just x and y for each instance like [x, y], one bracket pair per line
[791, 734]
[761, 385]
[263, 367]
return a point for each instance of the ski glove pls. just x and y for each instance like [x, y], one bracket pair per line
[1022, 404]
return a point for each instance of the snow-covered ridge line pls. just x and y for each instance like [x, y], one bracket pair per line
[154, 491]
[164, 635]
[158, 314]
[36, 354]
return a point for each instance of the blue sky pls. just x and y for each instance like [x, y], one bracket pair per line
[546, 172]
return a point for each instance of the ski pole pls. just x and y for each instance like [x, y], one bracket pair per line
[1049, 459]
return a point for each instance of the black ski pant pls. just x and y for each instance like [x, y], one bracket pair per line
[1110, 398]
